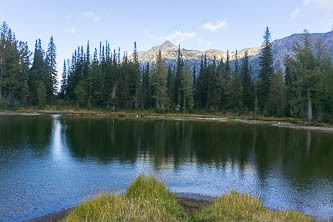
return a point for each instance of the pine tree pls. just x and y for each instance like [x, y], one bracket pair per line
[171, 85]
[307, 67]
[214, 93]
[235, 87]
[187, 88]
[180, 65]
[202, 84]
[146, 87]
[38, 72]
[247, 88]
[51, 78]
[199, 88]
[277, 96]
[64, 81]
[41, 94]
[266, 71]
[159, 84]
[24, 65]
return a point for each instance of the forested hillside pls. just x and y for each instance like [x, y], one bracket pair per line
[105, 79]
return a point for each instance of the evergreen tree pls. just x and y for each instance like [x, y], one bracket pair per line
[277, 97]
[235, 86]
[51, 78]
[107, 81]
[23, 76]
[187, 88]
[38, 72]
[266, 71]
[81, 94]
[159, 84]
[41, 94]
[180, 65]
[307, 68]
[64, 81]
[214, 93]
[247, 88]
[146, 87]
[171, 85]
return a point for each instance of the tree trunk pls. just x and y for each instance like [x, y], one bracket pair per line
[309, 107]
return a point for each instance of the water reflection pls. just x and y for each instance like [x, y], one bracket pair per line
[18, 130]
[212, 144]
[58, 146]
[51, 162]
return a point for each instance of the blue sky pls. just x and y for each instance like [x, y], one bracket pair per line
[219, 24]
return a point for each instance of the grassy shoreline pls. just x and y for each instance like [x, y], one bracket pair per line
[147, 199]
[221, 117]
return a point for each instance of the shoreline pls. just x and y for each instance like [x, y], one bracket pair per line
[275, 122]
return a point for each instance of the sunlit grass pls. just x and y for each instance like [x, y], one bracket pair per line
[147, 199]
[240, 207]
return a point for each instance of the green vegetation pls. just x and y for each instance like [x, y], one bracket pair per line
[147, 199]
[236, 207]
[107, 81]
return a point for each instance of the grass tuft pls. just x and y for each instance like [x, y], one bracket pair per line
[147, 199]
[244, 207]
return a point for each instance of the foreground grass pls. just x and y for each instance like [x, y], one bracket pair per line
[240, 207]
[147, 199]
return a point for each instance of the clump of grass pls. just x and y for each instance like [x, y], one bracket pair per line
[240, 207]
[152, 189]
[146, 199]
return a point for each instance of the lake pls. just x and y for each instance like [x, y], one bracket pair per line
[48, 163]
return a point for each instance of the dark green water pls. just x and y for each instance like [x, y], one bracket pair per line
[48, 163]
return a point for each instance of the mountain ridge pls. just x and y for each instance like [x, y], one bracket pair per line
[280, 49]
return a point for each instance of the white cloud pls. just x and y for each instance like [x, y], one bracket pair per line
[92, 15]
[178, 36]
[220, 24]
[295, 13]
[71, 30]
[326, 5]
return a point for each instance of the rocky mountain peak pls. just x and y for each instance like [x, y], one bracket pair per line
[168, 44]
[280, 48]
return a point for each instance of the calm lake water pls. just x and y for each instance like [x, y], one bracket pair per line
[48, 163]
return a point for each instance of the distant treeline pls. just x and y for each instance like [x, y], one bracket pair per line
[107, 80]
